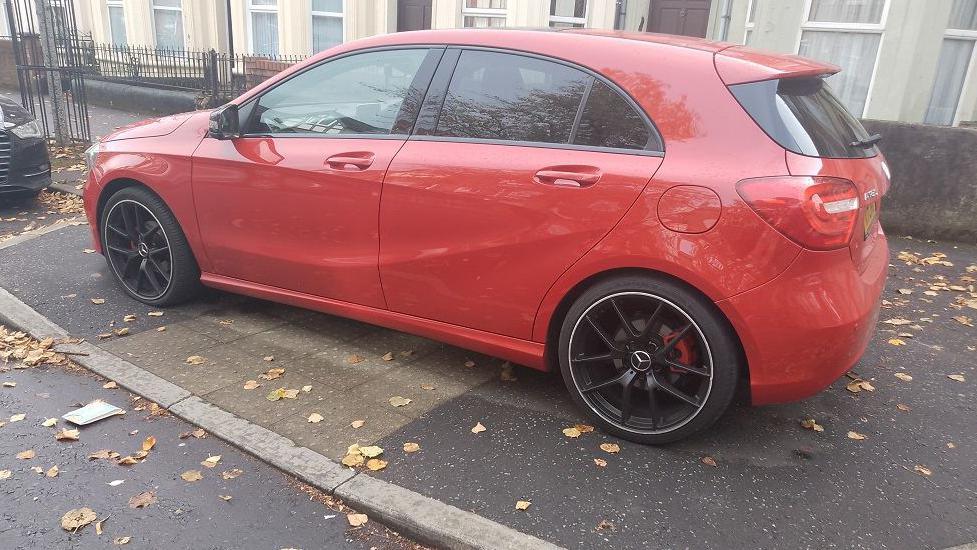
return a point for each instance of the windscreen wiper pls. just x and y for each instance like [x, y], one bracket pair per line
[867, 142]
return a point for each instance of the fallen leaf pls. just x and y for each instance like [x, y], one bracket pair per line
[211, 461]
[904, 377]
[121, 540]
[963, 320]
[73, 520]
[225, 498]
[129, 318]
[951, 445]
[389, 356]
[98, 526]
[605, 525]
[522, 504]
[571, 432]
[469, 363]
[268, 358]
[856, 436]
[50, 422]
[479, 428]
[98, 301]
[195, 360]
[37, 470]
[161, 329]
[155, 314]
[67, 435]
[427, 387]
[192, 475]
[18, 417]
[600, 462]
[507, 374]
[199, 433]
[5, 474]
[709, 461]
[811, 424]
[142, 500]
[357, 423]
[856, 386]
[276, 394]
[903, 408]
[898, 321]
[272, 374]
[897, 341]
[411, 447]
[110, 385]
[53, 471]
[354, 359]
[923, 470]
[232, 473]
[905, 291]
[116, 482]
[375, 464]
[371, 452]
[612, 448]
[251, 384]
[355, 520]
[353, 460]
[584, 428]
[10, 384]
[306, 389]
[315, 418]
[149, 443]
[398, 401]
[102, 454]
[957, 377]
[88, 250]
[226, 322]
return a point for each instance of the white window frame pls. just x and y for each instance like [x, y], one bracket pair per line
[750, 25]
[498, 13]
[251, 8]
[332, 14]
[109, 4]
[856, 28]
[582, 21]
[153, 8]
[962, 34]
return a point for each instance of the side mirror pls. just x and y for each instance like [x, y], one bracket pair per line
[224, 123]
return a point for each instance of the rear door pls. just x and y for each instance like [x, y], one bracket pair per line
[529, 163]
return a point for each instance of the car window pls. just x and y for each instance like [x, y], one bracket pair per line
[511, 97]
[609, 120]
[356, 94]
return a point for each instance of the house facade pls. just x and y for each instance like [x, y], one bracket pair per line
[906, 60]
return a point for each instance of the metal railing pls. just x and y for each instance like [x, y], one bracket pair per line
[219, 76]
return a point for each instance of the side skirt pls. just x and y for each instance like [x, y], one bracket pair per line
[517, 350]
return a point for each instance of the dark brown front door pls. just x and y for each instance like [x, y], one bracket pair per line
[686, 17]
[413, 15]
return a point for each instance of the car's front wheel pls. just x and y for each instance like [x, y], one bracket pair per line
[146, 250]
[650, 360]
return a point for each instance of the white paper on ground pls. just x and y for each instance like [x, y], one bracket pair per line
[92, 412]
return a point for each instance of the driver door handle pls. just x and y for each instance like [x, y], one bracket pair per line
[359, 160]
[568, 176]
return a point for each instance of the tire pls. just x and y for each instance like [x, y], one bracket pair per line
[177, 268]
[675, 370]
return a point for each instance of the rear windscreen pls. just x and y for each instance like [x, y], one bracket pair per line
[803, 116]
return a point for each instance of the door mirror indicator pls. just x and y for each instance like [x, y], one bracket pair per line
[224, 123]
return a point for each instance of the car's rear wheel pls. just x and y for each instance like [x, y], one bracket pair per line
[146, 250]
[649, 359]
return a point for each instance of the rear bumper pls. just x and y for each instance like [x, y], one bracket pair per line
[810, 325]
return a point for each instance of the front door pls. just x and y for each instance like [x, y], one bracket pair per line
[484, 210]
[293, 203]
[684, 17]
[413, 15]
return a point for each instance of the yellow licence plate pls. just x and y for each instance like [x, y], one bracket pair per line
[868, 220]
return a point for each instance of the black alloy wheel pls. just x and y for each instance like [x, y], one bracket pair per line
[645, 366]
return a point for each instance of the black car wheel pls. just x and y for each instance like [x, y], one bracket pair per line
[650, 360]
[146, 249]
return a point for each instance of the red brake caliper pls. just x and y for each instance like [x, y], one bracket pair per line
[686, 354]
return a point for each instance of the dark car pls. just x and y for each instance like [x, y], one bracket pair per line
[25, 167]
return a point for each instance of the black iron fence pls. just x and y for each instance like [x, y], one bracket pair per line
[217, 76]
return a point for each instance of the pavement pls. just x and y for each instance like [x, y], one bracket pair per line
[776, 484]
[239, 502]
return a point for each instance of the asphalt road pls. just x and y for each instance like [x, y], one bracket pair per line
[775, 485]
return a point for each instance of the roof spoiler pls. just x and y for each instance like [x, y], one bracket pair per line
[739, 65]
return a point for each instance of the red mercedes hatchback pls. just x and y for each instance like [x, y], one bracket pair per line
[659, 218]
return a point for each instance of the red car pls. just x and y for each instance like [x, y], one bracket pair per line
[659, 218]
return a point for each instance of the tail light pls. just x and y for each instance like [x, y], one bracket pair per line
[816, 212]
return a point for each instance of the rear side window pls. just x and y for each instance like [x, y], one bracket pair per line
[609, 120]
[511, 97]
[803, 116]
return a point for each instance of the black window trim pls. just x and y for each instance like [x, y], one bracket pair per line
[429, 64]
[437, 91]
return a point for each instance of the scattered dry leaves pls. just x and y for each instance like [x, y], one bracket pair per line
[479, 428]
[811, 424]
[523, 504]
[73, 520]
[143, 499]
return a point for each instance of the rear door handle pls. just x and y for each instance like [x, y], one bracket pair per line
[358, 160]
[568, 176]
